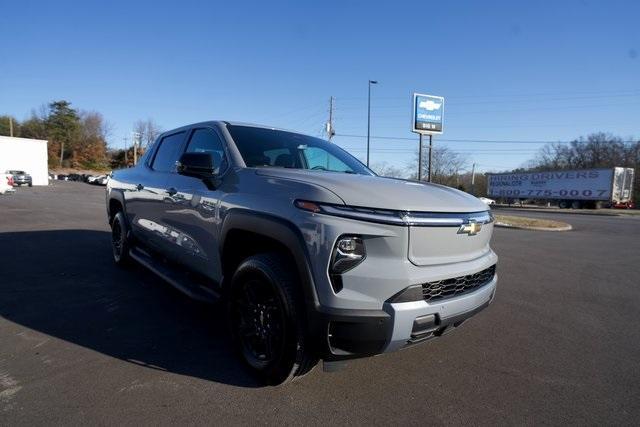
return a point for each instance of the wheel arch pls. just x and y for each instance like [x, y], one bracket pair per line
[268, 228]
[115, 204]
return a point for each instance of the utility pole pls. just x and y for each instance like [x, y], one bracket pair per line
[330, 131]
[136, 142]
[430, 157]
[11, 126]
[473, 179]
[126, 162]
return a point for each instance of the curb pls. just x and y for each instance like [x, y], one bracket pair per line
[568, 227]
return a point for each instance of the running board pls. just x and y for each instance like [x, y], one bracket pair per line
[179, 281]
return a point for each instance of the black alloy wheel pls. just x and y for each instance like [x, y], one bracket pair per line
[265, 312]
[119, 242]
[259, 316]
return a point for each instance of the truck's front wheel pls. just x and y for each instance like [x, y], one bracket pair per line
[119, 241]
[265, 315]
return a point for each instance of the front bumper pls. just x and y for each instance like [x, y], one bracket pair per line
[418, 320]
[357, 333]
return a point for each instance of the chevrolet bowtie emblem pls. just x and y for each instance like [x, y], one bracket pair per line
[471, 228]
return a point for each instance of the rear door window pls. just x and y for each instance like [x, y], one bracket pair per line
[168, 152]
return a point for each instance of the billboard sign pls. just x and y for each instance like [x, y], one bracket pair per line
[589, 184]
[428, 113]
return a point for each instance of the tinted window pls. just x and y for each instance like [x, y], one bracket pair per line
[208, 141]
[275, 148]
[168, 152]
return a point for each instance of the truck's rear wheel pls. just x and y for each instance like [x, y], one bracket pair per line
[119, 241]
[265, 317]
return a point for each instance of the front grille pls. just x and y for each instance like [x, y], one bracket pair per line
[449, 288]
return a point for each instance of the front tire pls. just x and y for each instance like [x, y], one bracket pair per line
[119, 242]
[265, 316]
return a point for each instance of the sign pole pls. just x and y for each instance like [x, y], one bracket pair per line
[430, 156]
[427, 117]
[420, 160]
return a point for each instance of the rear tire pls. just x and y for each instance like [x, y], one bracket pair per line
[30, 184]
[265, 313]
[119, 242]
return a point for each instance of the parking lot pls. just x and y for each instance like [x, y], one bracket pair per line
[82, 341]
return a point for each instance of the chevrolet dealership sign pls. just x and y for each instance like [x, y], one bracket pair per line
[428, 113]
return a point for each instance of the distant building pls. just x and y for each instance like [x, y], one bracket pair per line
[29, 155]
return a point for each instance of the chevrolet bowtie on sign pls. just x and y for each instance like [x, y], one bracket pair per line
[428, 114]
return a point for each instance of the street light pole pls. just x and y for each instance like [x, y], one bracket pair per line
[371, 82]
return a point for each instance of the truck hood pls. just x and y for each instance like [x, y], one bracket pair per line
[384, 193]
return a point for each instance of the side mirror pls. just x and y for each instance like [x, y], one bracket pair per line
[198, 165]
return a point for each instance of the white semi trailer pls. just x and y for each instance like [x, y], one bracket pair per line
[572, 188]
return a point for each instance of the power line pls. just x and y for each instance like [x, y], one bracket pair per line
[477, 141]
[520, 95]
[484, 101]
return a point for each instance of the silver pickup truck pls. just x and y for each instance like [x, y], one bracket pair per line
[313, 255]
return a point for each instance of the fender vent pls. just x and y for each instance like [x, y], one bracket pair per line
[449, 288]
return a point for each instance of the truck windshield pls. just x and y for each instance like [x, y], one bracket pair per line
[262, 147]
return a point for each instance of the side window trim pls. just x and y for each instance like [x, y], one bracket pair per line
[153, 149]
[159, 144]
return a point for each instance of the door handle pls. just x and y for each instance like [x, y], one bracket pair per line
[139, 187]
[171, 191]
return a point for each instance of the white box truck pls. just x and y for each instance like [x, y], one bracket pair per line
[572, 188]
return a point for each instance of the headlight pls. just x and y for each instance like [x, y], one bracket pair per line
[348, 252]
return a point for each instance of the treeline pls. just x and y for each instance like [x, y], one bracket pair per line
[77, 138]
[598, 150]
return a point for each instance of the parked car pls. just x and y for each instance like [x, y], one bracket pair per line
[63, 177]
[101, 180]
[6, 183]
[20, 178]
[314, 255]
[487, 201]
[74, 177]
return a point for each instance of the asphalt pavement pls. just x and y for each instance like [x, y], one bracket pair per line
[84, 342]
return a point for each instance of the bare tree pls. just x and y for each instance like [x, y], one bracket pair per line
[385, 169]
[148, 130]
[447, 166]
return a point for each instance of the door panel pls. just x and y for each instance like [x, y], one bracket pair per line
[192, 211]
[193, 215]
[148, 200]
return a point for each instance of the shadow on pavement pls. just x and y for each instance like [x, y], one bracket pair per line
[65, 284]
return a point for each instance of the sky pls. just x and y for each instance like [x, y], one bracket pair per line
[510, 71]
